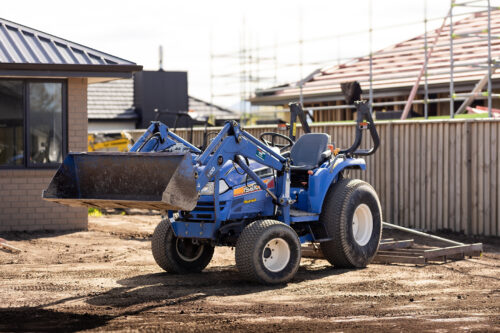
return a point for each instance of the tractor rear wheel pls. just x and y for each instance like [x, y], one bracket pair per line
[353, 217]
[179, 255]
[268, 251]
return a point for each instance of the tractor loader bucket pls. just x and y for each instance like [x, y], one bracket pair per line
[162, 181]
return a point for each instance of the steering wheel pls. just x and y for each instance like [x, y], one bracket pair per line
[273, 143]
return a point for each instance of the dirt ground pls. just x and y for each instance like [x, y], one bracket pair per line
[106, 279]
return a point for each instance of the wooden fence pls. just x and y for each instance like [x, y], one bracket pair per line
[430, 175]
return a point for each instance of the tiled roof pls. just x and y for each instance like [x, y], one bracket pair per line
[111, 100]
[115, 100]
[26, 48]
[398, 65]
[199, 109]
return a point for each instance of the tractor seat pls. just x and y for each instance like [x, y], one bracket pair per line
[309, 151]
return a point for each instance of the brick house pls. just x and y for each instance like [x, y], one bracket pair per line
[43, 115]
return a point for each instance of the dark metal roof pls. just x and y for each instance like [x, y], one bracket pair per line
[27, 49]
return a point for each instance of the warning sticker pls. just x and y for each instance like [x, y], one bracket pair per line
[260, 154]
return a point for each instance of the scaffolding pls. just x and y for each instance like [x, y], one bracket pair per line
[249, 75]
[488, 63]
[251, 79]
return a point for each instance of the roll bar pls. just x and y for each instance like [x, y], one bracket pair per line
[364, 121]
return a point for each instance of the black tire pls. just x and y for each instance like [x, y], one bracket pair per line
[254, 246]
[344, 251]
[167, 251]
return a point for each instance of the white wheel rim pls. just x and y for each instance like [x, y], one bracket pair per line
[362, 224]
[188, 259]
[276, 255]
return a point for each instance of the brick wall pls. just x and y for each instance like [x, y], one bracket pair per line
[21, 204]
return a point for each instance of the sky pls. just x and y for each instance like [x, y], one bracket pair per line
[194, 33]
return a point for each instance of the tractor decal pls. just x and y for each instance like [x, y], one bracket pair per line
[252, 187]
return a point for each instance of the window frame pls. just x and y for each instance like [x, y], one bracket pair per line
[26, 139]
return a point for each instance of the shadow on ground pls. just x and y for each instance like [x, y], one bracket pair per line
[141, 293]
[41, 320]
[29, 235]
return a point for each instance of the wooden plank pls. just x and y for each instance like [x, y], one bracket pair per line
[444, 259]
[403, 165]
[480, 178]
[493, 180]
[439, 175]
[386, 259]
[418, 157]
[446, 185]
[434, 175]
[420, 233]
[377, 170]
[390, 177]
[466, 164]
[312, 254]
[451, 250]
[5, 245]
[413, 169]
[452, 196]
[474, 177]
[379, 174]
[406, 176]
[428, 177]
[498, 181]
[476, 90]
[395, 244]
[486, 176]
[423, 180]
[458, 166]
[397, 170]
[402, 252]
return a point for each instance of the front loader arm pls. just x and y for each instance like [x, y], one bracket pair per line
[234, 144]
[226, 146]
[166, 137]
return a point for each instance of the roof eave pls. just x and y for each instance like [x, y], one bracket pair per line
[308, 97]
[109, 68]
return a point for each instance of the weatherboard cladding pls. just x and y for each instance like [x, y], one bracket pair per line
[398, 66]
[23, 45]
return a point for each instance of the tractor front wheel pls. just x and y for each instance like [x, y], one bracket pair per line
[179, 255]
[268, 251]
[353, 217]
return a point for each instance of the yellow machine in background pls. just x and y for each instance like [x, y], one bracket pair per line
[108, 142]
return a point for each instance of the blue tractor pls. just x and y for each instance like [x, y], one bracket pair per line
[261, 197]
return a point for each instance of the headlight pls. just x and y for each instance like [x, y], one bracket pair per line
[209, 188]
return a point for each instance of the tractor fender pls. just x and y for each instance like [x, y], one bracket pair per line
[321, 181]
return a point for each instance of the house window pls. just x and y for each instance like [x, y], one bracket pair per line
[32, 114]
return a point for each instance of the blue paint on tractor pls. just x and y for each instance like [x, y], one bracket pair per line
[253, 183]
[237, 179]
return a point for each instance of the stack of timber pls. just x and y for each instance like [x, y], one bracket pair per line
[405, 251]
